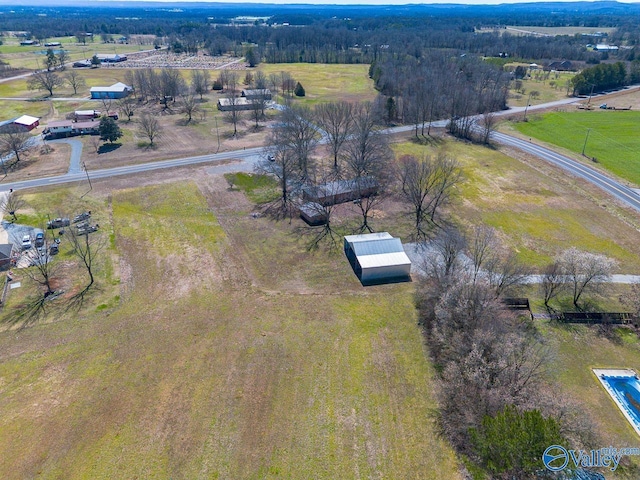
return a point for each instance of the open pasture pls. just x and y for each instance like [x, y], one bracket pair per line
[207, 369]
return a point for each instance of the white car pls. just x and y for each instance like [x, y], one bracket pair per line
[26, 242]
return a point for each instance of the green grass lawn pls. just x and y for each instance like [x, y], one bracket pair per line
[612, 137]
[204, 371]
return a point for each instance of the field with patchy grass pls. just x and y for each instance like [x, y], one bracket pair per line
[550, 86]
[33, 57]
[612, 137]
[537, 212]
[218, 362]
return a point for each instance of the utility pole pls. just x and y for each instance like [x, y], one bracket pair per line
[217, 134]
[585, 141]
[84, 166]
[524, 119]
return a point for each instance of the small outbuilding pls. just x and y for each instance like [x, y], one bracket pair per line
[25, 123]
[313, 214]
[340, 191]
[117, 90]
[6, 251]
[256, 94]
[237, 104]
[377, 258]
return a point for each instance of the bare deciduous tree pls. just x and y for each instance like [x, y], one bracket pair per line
[43, 270]
[233, 99]
[11, 203]
[335, 118]
[482, 249]
[281, 163]
[200, 81]
[189, 105]
[505, 272]
[552, 284]
[75, 81]
[258, 106]
[86, 248]
[298, 132]
[127, 106]
[586, 272]
[45, 80]
[14, 142]
[368, 162]
[427, 185]
[149, 127]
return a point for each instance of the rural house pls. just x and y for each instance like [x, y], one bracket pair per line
[340, 191]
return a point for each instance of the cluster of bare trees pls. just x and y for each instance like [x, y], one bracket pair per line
[442, 87]
[428, 184]
[576, 274]
[489, 358]
[361, 159]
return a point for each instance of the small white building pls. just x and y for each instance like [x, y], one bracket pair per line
[602, 47]
[377, 257]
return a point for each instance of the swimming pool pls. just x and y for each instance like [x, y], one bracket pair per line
[624, 388]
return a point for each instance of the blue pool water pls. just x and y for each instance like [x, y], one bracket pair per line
[626, 390]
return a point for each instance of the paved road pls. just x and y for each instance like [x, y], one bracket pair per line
[614, 188]
[248, 156]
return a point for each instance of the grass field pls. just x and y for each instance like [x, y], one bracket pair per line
[557, 30]
[33, 57]
[210, 368]
[612, 137]
[536, 215]
[324, 83]
[549, 89]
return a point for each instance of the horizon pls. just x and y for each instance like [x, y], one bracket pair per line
[377, 3]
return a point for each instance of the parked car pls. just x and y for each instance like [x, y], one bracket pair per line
[58, 223]
[39, 239]
[53, 249]
[26, 242]
[82, 216]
